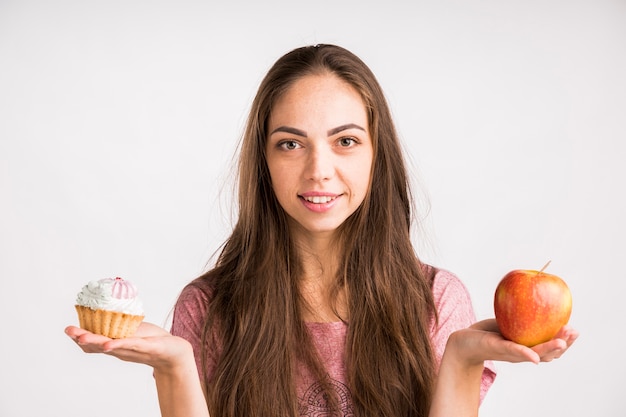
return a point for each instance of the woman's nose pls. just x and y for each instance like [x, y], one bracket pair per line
[320, 164]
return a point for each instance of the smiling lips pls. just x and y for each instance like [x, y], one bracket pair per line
[317, 202]
[320, 199]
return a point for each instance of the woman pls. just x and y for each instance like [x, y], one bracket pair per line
[318, 304]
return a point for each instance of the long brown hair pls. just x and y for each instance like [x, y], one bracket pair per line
[255, 310]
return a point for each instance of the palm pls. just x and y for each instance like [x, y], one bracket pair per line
[150, 345]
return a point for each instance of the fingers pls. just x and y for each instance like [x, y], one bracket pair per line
[475, 345]
[95, 343]
[127, 349]
[87, 341]
[568, 334]
[498, 348]
[516, 353]
[556, 347]
[151, 345]
[82, 336]
[73, 332]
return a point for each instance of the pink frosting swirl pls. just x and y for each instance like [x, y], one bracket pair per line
[122, 289]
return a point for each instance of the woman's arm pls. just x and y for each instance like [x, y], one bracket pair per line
[176, 376]
[179, 390]
[457, 390]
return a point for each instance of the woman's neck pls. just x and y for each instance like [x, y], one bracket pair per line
[318, 282]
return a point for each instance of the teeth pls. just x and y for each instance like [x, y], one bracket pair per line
[319, 199]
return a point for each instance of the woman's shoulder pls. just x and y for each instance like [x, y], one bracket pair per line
[197, 292]
[191, 307]
[446, 284]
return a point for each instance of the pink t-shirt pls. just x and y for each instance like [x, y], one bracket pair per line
[453, 305]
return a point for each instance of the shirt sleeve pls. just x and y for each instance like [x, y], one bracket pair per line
[189, 315]
[455, 312]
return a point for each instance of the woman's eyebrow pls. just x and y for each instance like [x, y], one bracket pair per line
[333, 131]
[341, 128]
[291, 130]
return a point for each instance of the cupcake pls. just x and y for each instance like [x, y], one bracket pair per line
[109, 307]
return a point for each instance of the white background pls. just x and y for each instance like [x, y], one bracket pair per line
[119, 120]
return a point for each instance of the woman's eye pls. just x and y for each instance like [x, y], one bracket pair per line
[289, 145]
[347, 142]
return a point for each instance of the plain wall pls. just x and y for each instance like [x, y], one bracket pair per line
[119, 121]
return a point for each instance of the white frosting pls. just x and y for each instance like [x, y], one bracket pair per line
[98, 295]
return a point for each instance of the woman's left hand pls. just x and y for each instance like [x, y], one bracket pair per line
[482, 341]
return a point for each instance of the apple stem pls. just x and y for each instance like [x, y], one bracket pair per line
[545, 266]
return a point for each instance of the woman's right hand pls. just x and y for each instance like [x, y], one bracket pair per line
[150, 345]
[178, 385]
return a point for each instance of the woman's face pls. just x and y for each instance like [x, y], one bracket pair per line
[319, 153]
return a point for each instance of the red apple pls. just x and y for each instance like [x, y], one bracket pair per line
[531, 306]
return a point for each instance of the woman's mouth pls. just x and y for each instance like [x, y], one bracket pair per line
[319, 203]
[319, 199]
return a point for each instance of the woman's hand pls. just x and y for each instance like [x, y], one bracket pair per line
[150, 345]
[178, 384]
[483, 341]
[460, 372]
[554, 348]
